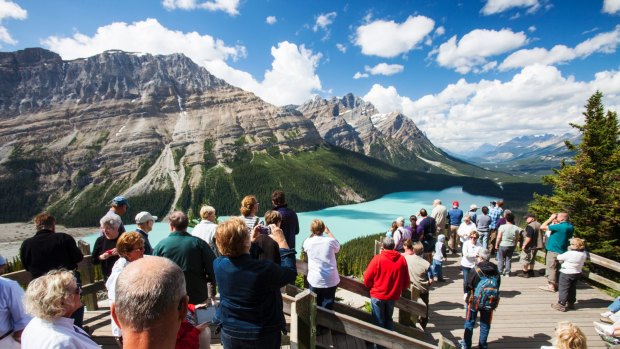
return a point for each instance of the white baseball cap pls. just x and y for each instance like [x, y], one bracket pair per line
[144, 217]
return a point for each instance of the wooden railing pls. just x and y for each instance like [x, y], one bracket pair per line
[601, 262]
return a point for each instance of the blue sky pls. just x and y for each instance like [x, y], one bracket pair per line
[467, 72]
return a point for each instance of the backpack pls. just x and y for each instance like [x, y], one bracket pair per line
[486, 294]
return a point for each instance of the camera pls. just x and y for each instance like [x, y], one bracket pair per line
[265, 230]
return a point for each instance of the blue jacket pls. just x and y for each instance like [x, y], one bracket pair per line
[455, 216]
[250, 298]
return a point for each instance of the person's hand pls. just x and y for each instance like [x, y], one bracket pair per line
[17, 336]
[201, 327]
[255, 232]
[278, 236]
[107, 254]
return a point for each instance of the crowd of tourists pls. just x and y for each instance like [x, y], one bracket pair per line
[231, 273]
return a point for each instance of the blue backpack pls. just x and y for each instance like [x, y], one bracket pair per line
[486, 294]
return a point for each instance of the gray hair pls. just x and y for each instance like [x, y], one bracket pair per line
[146, 290]
[111, 220]
[388, 243]
[206, 211]
[484, 254]
[46, 296]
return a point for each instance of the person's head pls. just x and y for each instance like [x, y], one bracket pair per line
[278, 198]
[120, 205]
[493, 203]
[529, 218]
[249, 206]
[473, 236]
[388, 243]
[273, 217]
[317, 227]
[145, 221]
[577, 244]
[408, 244]
[562, 217]
[53, 295]
[207, 213]
[473, 208]
[418, 248]
[455, 204]
[413, 220]
[506, 213]
[483, 254]
[500, 203]
[400, 221]
[178, 221]
[109, 225]
[510, 217]
[485, 210]
[441, 238]
[394, 226]
[436, 202]
[466, 219]
[45, 221]
[569, 336]
[130, 246]
[151, 300]
[232, 238]
[423, 213]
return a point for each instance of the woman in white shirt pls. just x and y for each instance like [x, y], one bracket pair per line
[466, 227]
[470, 252]
[321, 248]
[51, 299]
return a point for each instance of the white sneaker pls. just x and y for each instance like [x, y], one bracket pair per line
[614, 317]
[603, 329]
[607, 314]
[464, 296]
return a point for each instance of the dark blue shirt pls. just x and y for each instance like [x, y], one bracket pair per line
[289, 225]
[455, 216]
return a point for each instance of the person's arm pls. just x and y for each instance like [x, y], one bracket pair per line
[24, 255]
[18, 315]
[286, 272]
[296, 224]
[529, 232]
[369, 274]
[545, 224]
[97, 250]
[207, 261]
[74, 253]
[500, 232]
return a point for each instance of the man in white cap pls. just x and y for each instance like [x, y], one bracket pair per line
[145, 222]
[472, 212]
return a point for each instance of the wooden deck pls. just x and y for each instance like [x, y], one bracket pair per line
[524, 318]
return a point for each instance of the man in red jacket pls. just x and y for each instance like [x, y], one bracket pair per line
[386, 276]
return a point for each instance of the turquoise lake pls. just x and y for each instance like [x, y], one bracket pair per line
[350, 221]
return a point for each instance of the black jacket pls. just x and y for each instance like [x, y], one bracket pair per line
[47, 250]
[488, 269]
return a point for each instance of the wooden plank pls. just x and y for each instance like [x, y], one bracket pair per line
[601, 280]
[367, 317]
[604, 262]
[303, 321]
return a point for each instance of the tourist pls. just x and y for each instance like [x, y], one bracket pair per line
[104, 250]
[482, 226]
[471, 249]
[426, 230]
[386, 276]
[473, 208]
[570, 272]
[250, 316]
[264, 247]
[610, 315]
[568, 336]
[439, 257]
[420, 276]
[290, 222]
[151, 303]
[440, 215]
[321, 248]
[609, 333]
[48, 250]
[51, 299]
[145, 222]
[400, 234]
[466, 227]
[507, 235]
[495, 213]
[487, 273]
[3, 265]
[557, 243]
[392, 230]
[205, 230]
[455, 216]
[192, 255]
[13, 317]
[532, 243]
[413, 228]
[119, 206]
[249, 210]
[130, 247]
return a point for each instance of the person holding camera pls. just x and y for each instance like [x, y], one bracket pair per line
[557, 243]
[263, 246]
[321, 248]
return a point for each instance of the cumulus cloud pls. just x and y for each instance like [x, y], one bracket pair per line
[342, 48]
[604, 42]
[9, 9]
[389, 39]
[498, 6]
[464, 115]
[228, 6]
[611, 6]
[384, 69]
[292, 77]
[324, 20]
[531, 28]
[440, 31]
[271, 20]
[359, 75]
[471, 52]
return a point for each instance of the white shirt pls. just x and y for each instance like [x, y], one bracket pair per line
[206, 231]
[470, 251]
[322, 266]
[12, 314]
[572, 262]
[465, 229]
[57, 334]
[119, 265]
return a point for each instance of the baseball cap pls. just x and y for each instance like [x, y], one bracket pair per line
[2, 260]
[455, 203]
[529, 215]
[473, 207]
[120, 200]
[493, 202]
[144, 217]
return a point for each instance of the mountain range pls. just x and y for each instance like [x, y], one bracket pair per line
[168, 134]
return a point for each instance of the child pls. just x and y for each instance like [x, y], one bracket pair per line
[568, 336]
[572, 263]
[439, 257]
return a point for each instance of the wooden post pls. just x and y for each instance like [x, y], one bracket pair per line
[303, 321]
[445, 343]
[88, 276]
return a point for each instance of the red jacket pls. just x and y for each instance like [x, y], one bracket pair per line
[387, 275]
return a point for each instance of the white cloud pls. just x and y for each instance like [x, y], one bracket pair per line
[359, 75]
[603, 42]
[389, 39]
[228, 6]
[9, 9]
[498, 6]
[440, 31]
[611, 6]
[342, 48]
[471, 52]
[324, 20]
[291, 79]
[384, 69]
[531, 28]
[464, 115]
[271, 20]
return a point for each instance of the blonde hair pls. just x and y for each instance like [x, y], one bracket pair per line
[231, 237]
[317, 227]
[206, 211]
[47, 296]
[474, 233]
[273, 217]
[127, 242]
[578, 244]
[247, 204]
[569, 336]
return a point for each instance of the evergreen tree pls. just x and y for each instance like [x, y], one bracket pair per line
[589, 189]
